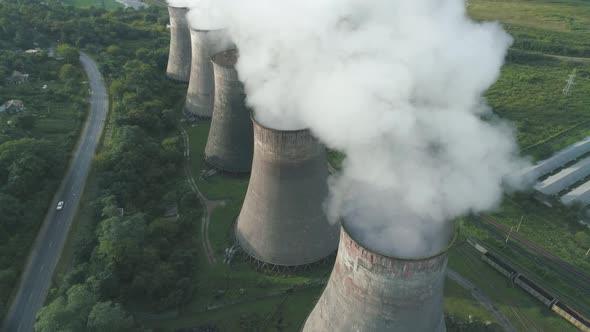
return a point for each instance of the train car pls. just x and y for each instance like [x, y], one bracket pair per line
[498, 265]
[535, 290]
[571, 316]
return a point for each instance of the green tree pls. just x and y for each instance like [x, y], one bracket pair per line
[583, 239]
[68, 73]
[68, 53]
[121, 242]
[53, 317]
[108, 316]
[11, 210]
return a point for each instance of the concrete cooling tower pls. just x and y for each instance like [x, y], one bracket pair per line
[371, 292]
[200, 94]
[179, 61]
[282, 221]
[231, 139]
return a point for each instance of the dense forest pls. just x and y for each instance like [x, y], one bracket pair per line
[130, 257]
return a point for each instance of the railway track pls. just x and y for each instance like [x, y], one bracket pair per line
[582, 288]
[536, 248]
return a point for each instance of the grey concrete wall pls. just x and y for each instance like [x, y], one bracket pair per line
[371, 292]
[201, 87]
[282, 221]
[230, 145]
[179, 56]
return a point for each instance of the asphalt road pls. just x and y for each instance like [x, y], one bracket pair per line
[37, 277]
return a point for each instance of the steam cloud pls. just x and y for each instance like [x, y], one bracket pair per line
[396, 86]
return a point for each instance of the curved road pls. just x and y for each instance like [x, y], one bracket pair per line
[37, 277]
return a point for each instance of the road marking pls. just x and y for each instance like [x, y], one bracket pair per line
[50, 244]
[42, 268]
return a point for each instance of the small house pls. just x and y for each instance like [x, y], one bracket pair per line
[12, 106]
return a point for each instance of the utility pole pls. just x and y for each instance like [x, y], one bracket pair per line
[520, 223]
[587, 252]
[569, 83]
[509, 233]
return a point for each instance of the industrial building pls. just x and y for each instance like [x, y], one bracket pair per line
[201, 88]
[231, 139]
[179, 61]
[371, 291]
[580, 194]
[564, 178]
[282, 222]
[557, 160]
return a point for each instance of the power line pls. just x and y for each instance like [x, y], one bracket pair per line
[569, 83]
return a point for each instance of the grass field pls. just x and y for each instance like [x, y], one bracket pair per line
[531, 97]
[107, 4]
[553, 27]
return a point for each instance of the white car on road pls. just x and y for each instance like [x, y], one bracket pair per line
[60, 205]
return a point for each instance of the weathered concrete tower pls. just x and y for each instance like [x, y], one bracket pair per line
[372, 292]
[231, 139]
[200, 94]
[179, 61]
[282, 221]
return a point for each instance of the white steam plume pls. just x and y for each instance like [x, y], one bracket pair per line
[206, 15]
[396, 86]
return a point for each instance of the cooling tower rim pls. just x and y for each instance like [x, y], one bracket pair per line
[289, 131]
[404, 259]
[207, 29]
[220, 63]
[178, 7]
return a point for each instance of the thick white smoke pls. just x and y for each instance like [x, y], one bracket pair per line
[206, 15]
[396, 86]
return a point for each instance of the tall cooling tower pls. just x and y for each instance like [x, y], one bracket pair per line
[282, 221]
[231, 139]
[200, 95]
[369, 291]
[179, 61]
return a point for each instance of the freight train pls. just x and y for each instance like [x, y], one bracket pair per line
[550, 301]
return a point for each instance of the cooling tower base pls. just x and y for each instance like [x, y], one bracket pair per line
[175, 78]
[281, 269]
[219, 165]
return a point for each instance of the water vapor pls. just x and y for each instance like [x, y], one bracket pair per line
[396, 86]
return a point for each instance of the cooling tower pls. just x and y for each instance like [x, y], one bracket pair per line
[200, 95]
[282, 222]
[231, 139]
[369, 291]
[179, 62]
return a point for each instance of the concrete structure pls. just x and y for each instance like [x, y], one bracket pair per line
[282, 221]
[179, 61]
[13, 106]
[201, 88]
[17, 78]
[565, 178]
[230, 145]
[372, 292]
[558, 160]
[580, 194]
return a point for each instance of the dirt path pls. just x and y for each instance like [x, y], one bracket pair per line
[209, 205]
[485, 301]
